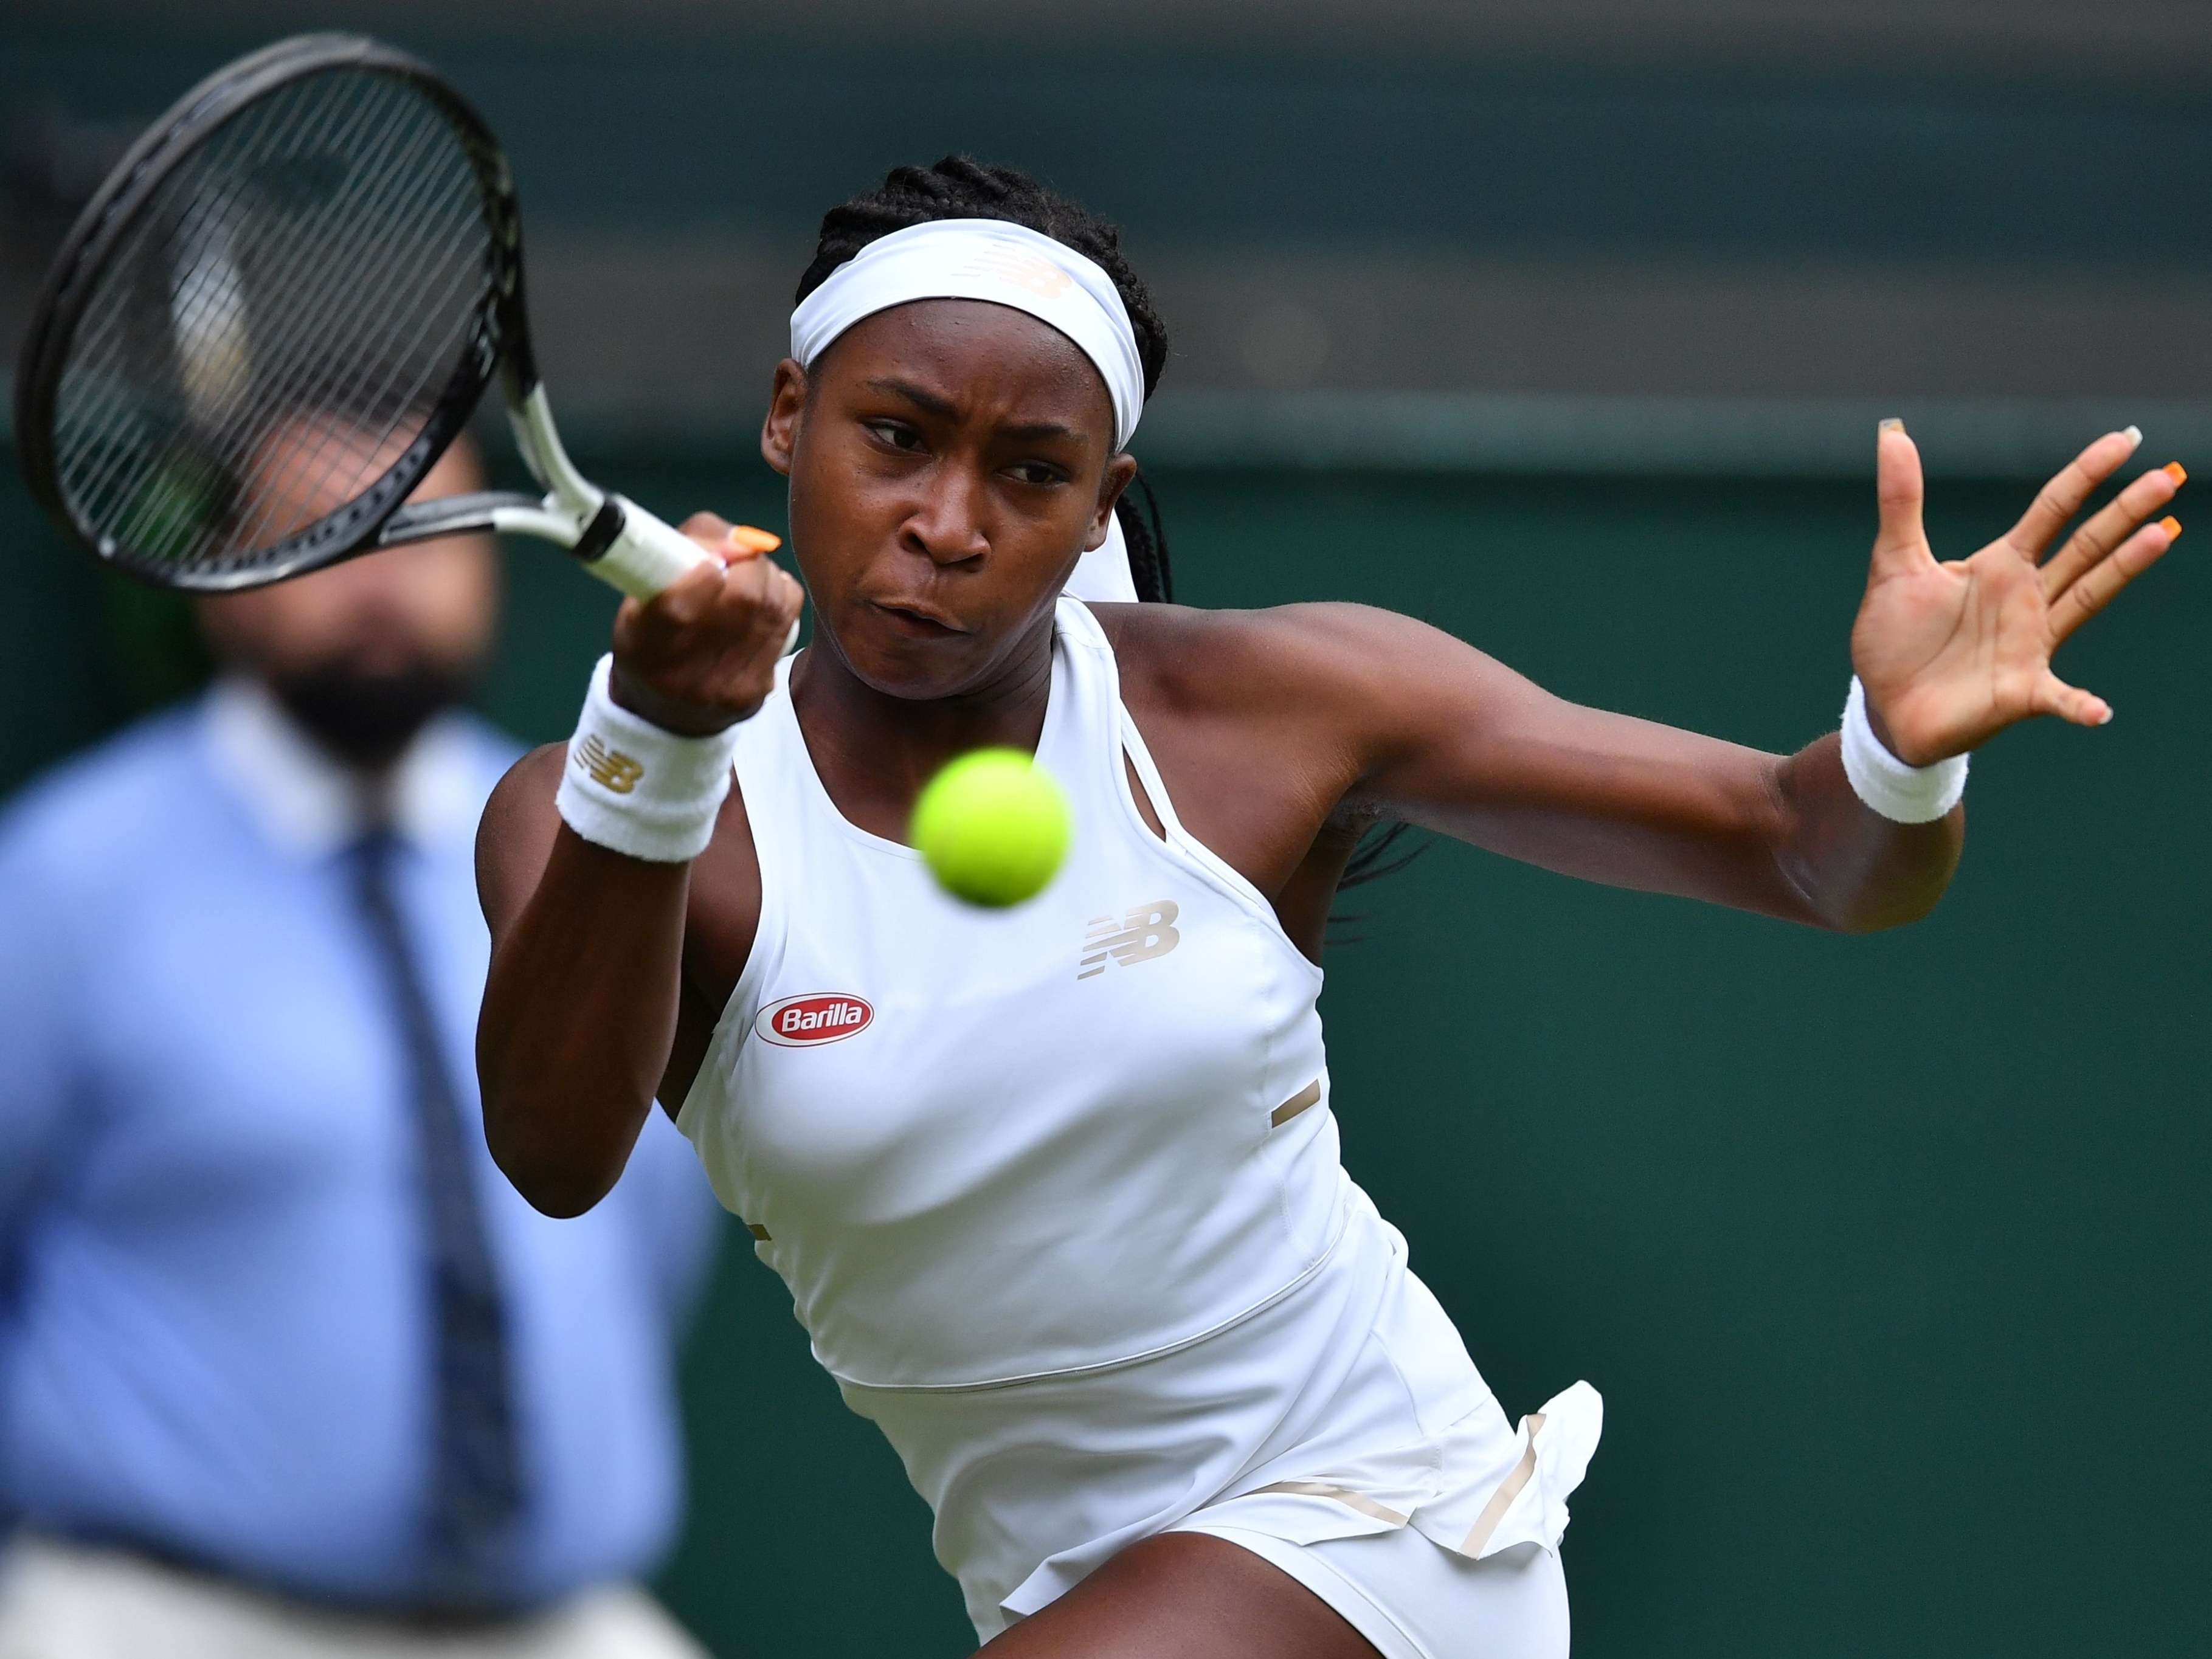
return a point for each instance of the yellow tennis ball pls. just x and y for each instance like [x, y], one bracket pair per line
[992, 826]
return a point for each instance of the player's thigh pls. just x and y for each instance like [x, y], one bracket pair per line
[1184, 1596]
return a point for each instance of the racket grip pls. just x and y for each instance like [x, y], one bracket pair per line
[626, 547]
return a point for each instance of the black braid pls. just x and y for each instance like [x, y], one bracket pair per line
[1148, 543]
[961, 187]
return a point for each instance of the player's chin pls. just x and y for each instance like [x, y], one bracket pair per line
[903, 655]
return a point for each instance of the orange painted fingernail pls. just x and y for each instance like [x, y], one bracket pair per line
[2171, 526]
[747, 539]
[1892, 424]
[2175, 471]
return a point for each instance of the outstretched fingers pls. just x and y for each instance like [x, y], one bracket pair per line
[2094, 589]
[2095, 541]
[2058, 500]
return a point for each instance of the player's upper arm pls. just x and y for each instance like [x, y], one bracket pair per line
[515, 838]
[1402, 716]
[1423, 727]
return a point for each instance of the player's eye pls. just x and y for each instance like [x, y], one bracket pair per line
[896, 434]
[1036, 473]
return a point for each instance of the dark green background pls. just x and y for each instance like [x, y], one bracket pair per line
[1886, 1253]
[1342, 149]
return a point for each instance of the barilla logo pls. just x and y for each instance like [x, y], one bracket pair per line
[800, 1022]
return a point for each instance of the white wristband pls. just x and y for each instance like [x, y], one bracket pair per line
[631, 786]
[1901, 793]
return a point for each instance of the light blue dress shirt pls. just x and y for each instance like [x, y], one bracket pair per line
[215, 1324]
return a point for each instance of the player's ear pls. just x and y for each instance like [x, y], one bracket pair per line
[1119, 471]
[787, 400]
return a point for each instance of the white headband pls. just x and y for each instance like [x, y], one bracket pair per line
[1006, 265]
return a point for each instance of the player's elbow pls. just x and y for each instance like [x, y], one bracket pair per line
[1892, 911]
[556, 1176]
[1892, 892]
[553, 1126]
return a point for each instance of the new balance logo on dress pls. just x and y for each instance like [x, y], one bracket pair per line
[609, 769]
[1146, 931]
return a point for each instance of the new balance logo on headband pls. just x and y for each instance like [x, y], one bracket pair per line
[1145, 932]
[609, 769]
[1022, 270]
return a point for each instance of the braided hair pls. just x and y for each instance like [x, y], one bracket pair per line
[961, 187]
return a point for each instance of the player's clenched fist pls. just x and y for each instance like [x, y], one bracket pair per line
[701, 655]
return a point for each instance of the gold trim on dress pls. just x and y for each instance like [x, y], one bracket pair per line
[1508, 1489]
[1297, 1103]
[1343, 1495]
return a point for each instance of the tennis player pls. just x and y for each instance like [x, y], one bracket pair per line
[1056, 1189]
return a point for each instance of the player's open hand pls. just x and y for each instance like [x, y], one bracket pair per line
[1953, 652]
[700, 655]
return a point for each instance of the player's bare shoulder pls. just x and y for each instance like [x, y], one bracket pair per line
[1273, 662]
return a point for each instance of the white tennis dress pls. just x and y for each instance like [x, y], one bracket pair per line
[1057, 1193]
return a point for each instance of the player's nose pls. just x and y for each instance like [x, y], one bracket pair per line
[946, 524]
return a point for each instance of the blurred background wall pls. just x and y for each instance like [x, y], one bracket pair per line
[1565, 325]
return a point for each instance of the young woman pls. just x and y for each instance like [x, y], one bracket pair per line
[1056, 1189]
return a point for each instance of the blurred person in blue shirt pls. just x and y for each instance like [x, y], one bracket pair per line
[286, 1366]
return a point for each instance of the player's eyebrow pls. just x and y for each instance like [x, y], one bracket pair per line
[929, 402]
[933, 403]
[1030, 431]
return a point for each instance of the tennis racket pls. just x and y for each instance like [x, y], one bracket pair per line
[274, 317]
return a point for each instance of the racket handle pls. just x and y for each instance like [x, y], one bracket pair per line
[626, 547]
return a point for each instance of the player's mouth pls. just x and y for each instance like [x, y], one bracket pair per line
[918, 622]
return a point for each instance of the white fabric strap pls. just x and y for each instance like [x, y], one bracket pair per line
[1901, 793]
[991, 259]
[633, 788]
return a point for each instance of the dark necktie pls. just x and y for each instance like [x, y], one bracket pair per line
[476, 1485]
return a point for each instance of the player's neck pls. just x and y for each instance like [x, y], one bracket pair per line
[874, 750]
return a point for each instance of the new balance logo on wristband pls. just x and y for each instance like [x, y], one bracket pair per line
[1145, 932]
[609, 769]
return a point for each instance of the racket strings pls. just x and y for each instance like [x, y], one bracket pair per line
[282, 251]
[123, 331]
[404, 173]
[336, 385]
[278, 326]
[339, 384]
[339, 459]
[216, 206]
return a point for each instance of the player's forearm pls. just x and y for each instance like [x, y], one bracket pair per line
[1633, 803]
[1857, 871]
[579, 1013]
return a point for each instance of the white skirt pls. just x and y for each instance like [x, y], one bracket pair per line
[1349, 1409]
[1414, 1600]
